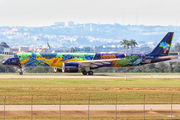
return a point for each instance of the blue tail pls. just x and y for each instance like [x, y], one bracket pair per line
[164, 46]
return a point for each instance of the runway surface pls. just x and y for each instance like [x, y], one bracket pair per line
[91, 107]
[89, 76]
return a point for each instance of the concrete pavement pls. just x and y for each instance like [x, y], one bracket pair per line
[91, 107]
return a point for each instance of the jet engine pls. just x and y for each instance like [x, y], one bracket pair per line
[70, 67]
[56, 70]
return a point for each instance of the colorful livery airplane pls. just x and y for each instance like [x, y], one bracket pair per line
[85, 62]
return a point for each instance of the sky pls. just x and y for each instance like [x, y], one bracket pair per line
[46, 12]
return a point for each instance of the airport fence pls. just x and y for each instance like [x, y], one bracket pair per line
[164, 106]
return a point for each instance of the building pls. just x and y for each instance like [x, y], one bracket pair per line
[70, 23]
[59, 23]
[24, 49]
[4, 47]
[39, 50]
[85, 49]
[14, 49]
[87, 27]
[1, 49]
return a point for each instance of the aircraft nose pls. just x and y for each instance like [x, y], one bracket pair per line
[3, 63]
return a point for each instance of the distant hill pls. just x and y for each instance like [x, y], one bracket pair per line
[84, 34]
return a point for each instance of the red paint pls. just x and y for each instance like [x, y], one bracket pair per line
[55, 61]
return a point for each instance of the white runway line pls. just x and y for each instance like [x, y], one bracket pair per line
[82, 76]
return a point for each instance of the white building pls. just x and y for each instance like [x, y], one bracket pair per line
[6, 49]
[24, 49]
[70, 23]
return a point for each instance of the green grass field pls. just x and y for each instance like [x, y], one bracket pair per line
[96, 91]
[90, 83]
[4, 57]
[101, 91]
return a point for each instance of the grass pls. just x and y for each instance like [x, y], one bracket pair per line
[101, 91]
[90, 83]
[4, 57]
[77, 91]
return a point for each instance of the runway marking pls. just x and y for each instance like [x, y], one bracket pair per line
[87, 76]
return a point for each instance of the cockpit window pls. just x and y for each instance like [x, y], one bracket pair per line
[13, 60]
[14, 56]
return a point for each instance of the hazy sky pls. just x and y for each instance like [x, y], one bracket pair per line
[46, 12]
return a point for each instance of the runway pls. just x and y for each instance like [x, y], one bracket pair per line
[92, 110]
[88, 76]
[164, 107]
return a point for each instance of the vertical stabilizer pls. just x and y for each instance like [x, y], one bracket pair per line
[164, 46]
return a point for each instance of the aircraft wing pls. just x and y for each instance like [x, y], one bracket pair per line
[95, 63]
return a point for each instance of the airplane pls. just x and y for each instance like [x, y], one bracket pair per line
[86, 62]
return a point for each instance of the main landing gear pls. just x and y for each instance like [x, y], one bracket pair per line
[86, 70]
[89, 73]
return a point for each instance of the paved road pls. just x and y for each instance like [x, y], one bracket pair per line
[164, 107]
[87, 76]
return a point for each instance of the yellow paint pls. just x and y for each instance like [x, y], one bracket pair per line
[108, 56]
[58, 62]
[23, 61]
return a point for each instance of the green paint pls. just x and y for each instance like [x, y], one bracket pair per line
[38, 63]
[122, 62]
[23, 56]
[128, 60]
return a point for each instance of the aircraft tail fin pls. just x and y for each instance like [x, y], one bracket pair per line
[164, 46]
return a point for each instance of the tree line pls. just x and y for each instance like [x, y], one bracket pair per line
[151, 68]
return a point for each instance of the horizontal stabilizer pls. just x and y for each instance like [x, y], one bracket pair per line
[167, 57]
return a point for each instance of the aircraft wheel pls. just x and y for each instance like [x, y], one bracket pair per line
[55, 70]
[21, 73]
[90, 73]
[84, 73]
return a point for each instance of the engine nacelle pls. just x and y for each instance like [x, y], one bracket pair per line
[70, 67]
[56, 70]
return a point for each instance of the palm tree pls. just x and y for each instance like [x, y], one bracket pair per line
[177, 46]
[128, 44]
[133, 44]
[125, 44]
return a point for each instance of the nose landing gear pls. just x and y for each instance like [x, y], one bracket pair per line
[20, 71]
